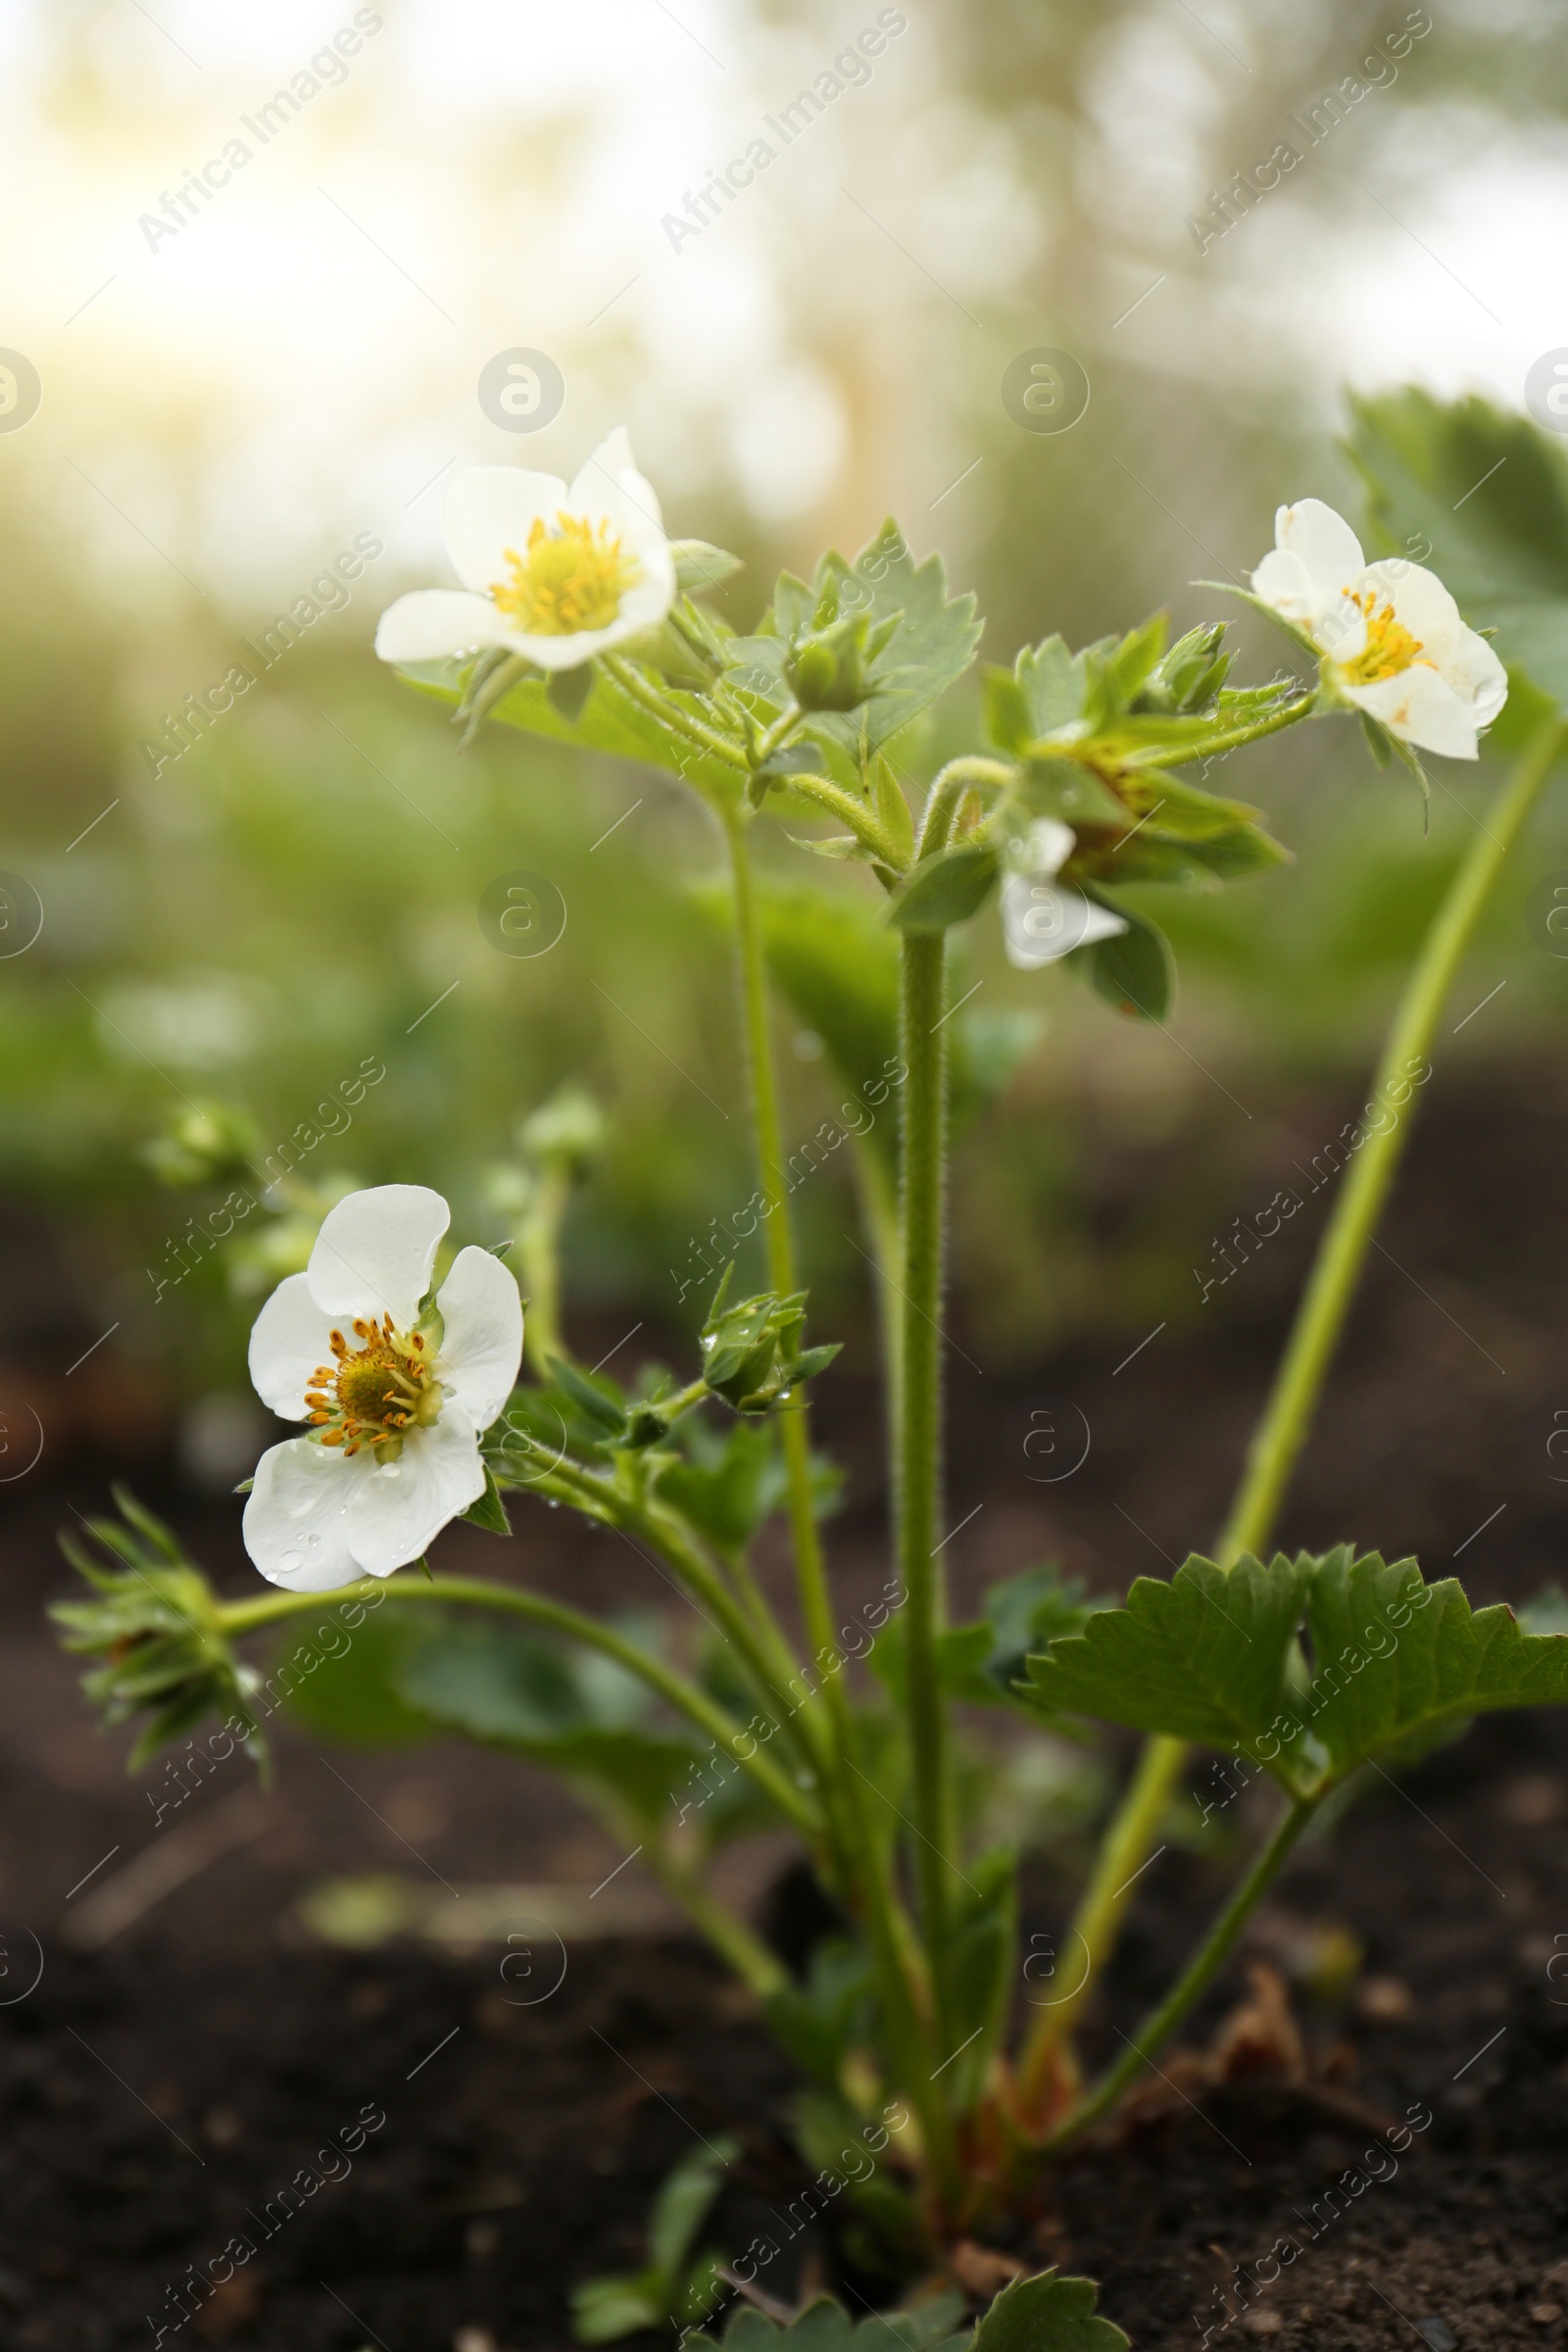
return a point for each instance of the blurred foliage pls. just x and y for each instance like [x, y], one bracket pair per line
[296, 896]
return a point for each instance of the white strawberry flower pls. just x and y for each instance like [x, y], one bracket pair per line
[1042, 918]
[553, 573]
[1389, 633]
[396, 1398]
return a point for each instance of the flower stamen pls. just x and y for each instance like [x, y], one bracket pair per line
[570, 580]
[374, 1391]
[1389, 646]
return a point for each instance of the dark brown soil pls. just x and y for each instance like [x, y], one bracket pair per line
[158, 2089]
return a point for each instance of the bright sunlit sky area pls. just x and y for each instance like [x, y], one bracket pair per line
[233, 398]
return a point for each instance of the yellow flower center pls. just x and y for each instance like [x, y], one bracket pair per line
[1389, 646]
[570, 579]
[370, 1395]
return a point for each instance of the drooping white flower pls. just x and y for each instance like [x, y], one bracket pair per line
[1392, 635]
[1043, 918]
[396, 1399]
[553, 573]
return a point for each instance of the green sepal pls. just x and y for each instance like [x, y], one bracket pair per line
[594, 1399]
[568, 690]
[1134, 971]
[945, 889]
[489, 1511]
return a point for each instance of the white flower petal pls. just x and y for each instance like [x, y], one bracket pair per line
[571, 651]
[1421, 604]
[402, 1507]
[1325, 542]
[1041, 922]
[375, 1252]
[1045, 849]
[1421, 707]
[608, 484]
[1474, 672]
[431, 623]
[289, 1341]
[491, 509]
[297, 1515]
[481, 1346]
[1284, 581]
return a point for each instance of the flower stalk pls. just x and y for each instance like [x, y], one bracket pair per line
[1316, 1331]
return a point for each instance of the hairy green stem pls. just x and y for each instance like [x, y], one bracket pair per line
[1319, 1321]
[673, 715]
[475, 1592]
[947, 793]
[1193, 1983]
[918, 1469]
[1253, 732]
[868, 1876]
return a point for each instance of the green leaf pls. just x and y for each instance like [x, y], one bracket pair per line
[701, 567]
[826, 2327]
[894, 813]
[1051, 695]
[602, 2310]
[945, 889]
[928, 639]
[979, 1964]
[727, 1483]
[489, 1511]
[1134, 971]
[1481, 497]
[568, 690]
[683, 2203]
[597, 1402]
[1397, 1663]
[1024, 1616]
[821, 2021]
[1202, 1658]
[1047, 2314]
[358, 1696]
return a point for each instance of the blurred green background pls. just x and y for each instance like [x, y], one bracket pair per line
[297, 894]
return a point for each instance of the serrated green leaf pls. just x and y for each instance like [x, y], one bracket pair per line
[1202, 1658]
[826, 2327]
[945, 889]
[1398, 1662]
[932, 644]
[1055, 686]
[1047, 2314]
[1135, 971]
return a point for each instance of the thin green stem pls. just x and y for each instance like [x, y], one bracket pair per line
[474, 1591]
[956, 779]
[679, 720]
[1319, 1321]
[868, 1878]
[1177, 756]
[850, 811]
[1193, 1983]
[918, 1469]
